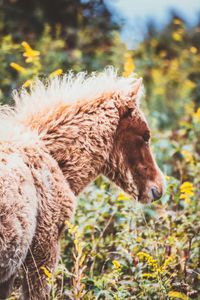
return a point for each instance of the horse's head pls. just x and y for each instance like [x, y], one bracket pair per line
[131, 164]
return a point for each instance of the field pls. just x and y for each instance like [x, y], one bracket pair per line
[116, 248]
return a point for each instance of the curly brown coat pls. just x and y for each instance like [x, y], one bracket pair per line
[49, 154]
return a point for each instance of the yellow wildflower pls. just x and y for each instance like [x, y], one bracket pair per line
[121, 197]
[187, 188]
[116, 264]
[187, 191]
[163, 53]
[156, 74]
[179, 295]
[29, 52]
[139, 239]
[73, 229]
[56, 73]
[189, 108]
[177, 22]
[27, 83]
[46, 272]
[150, 260]
[188, 156]
[177, 36]
[149, 275]
[157, 270]
[171, 240]
[193, 50]
[166, 264]
[189, 84]
[129, 65]
[103, 186]
[18, 68]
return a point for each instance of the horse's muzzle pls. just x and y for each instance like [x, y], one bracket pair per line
[156, 194]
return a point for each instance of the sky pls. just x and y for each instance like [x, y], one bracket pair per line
[137, 12]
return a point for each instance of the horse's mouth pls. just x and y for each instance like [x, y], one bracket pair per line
[144, 198]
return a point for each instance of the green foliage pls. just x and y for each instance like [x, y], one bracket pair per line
[169, 62]
[116, 248]
[54, 54]
[130, 251]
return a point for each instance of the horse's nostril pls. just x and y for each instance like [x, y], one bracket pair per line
[155, 193]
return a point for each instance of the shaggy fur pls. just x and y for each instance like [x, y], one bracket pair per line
[60, 137]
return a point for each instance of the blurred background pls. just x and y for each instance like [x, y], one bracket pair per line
[162, 40]
[121, 251]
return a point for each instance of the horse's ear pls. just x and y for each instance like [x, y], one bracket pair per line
[133, 95]
[131, 99]
[135, 90]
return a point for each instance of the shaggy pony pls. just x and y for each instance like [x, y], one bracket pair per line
[57, 139]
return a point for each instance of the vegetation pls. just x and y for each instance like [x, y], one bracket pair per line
[115, 248]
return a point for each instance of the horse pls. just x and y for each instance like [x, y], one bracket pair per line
[60, 135]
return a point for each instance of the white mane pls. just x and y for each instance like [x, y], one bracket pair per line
[68, 89]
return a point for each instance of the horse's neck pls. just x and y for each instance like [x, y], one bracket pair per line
[82, 140]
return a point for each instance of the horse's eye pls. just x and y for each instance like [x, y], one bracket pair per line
[146, 136]
[128, 113]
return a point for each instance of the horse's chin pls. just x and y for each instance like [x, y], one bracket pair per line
[144, 198]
